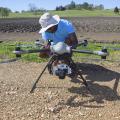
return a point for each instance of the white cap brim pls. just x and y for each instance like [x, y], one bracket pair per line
[57, 18]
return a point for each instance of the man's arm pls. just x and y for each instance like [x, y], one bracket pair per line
[72, 40]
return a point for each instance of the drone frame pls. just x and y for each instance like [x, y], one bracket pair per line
[103, 53]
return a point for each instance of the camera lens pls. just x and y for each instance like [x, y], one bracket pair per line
[61, 73]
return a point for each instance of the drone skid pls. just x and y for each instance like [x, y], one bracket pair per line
[76, 73]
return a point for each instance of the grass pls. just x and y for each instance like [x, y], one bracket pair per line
[7, 48]
[6, 52]
[113, 54]
[23, 15]
[67, 13]
[84, 13]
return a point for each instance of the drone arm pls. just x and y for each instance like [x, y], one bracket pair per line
[100, 53]
[82, 51]
[19, 52]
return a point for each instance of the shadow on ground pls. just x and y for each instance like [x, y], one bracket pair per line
[99, 93]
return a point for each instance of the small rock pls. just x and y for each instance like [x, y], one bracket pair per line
[51, 109]
[82, 114]
[100, 114]
[23, 118]
[42, 115]
[71, 116]
[55, 109]
[29, 114]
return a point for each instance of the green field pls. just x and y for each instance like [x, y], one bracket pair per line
[84, 13]
[7, 48]
[68, 13]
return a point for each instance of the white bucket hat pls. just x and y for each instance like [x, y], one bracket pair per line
[47, 20]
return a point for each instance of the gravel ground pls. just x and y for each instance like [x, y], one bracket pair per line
[55, 99]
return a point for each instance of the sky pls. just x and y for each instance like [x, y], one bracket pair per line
[19, 5]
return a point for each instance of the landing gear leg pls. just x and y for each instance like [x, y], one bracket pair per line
[78, 73]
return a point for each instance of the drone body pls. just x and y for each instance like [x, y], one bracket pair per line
[60, 62]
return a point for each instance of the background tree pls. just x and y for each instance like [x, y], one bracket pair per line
[17, 12]
[78, 7]
[32, 7]
[116, 10]
[85, 5]
[90, 7]
[101, 7]
[70, 6]
[4, 12]
[60, 8]
[35, 10]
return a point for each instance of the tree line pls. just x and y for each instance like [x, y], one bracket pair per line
[74, 6]
[4, 12]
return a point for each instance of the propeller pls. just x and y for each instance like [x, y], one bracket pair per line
[18, 51]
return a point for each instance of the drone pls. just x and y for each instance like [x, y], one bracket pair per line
[60, 62]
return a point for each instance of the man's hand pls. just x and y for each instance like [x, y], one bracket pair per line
[71, 40]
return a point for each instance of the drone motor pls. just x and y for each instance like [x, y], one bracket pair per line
[60, 48]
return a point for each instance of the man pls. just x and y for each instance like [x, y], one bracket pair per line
[57, 30]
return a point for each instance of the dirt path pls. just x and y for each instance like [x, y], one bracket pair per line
[19, 36]
[56, 99]
[106, 37]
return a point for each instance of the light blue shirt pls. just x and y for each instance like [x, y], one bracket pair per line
[64, 28]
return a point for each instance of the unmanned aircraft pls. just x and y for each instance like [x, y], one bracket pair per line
[60, 62]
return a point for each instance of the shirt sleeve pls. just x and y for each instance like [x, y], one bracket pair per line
[69, 27]
[44, 36]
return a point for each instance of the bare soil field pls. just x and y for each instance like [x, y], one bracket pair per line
[82, 24]
[32, 36]
[55, 99]
[91, 28]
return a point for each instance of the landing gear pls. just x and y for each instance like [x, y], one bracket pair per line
[76, 73]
